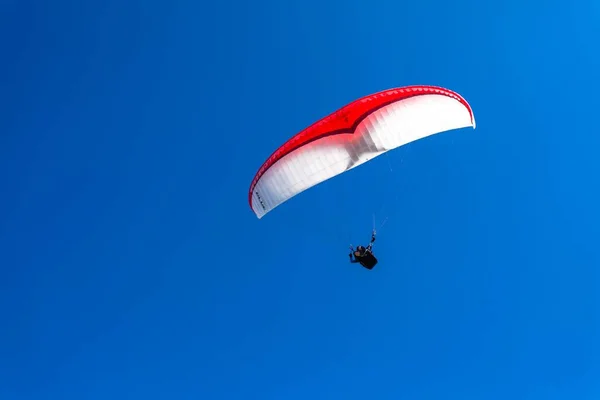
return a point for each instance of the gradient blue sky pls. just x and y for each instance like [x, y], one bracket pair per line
[130, 132]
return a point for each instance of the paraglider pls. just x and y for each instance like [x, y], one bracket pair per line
[354, 135]
[364, 255]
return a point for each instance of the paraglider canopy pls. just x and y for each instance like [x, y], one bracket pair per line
[353, 135]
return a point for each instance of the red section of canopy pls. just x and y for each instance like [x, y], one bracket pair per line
[346, 119]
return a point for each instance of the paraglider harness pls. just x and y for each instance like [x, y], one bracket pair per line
[365, 254]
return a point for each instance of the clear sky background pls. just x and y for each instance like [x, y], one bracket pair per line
[131, 265]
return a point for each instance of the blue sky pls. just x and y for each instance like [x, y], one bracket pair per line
[132, 266]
